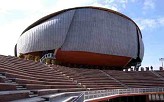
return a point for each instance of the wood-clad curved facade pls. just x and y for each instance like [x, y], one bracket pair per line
[85, 35]
[88, 58]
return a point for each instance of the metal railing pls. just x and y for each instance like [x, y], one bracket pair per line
[80, 98]
[89, 95]
[48, 55]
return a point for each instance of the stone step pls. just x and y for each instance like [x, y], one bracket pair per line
[32, 94]
[2, 74]
[10, 81]
[20, 87]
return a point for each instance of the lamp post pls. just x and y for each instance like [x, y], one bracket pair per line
[161, 59]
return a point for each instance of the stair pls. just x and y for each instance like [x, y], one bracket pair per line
[158, 75]
[33, 94]
[2, 74]
[124, 85]
[10, 81]
[21, 87]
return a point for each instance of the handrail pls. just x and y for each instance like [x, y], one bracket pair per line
[48, 55]
[65, 97]
[157, 74]
[80, 98]
[111, 77]
[89, 95]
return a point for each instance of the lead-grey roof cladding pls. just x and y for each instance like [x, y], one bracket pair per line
[102, 32]
[141, 47]
[46, 36]
[83, 29]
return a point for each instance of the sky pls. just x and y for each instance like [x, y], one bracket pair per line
[16, 15]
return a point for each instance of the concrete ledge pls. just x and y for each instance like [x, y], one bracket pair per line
[7, 86]
[13, 95]
[35, 99]
[61, 97]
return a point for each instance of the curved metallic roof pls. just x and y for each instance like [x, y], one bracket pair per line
[90, 29]
[59, 12]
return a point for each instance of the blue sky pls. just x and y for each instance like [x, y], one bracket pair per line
[16, 15]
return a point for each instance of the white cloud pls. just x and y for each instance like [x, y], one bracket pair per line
[100, 3]
[29, 6]
[161, 21]
[113, 7]
[133, 1]
[10, 32]
[149, 4]
[116, 5]
[150, 23]
[109, 1]
[34, 10]
[22, 5]
[146, 23]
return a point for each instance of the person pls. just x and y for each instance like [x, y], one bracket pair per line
[160, 68]
[147, 68]
[151, 67]
[142, 69]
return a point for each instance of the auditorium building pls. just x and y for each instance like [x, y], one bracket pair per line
[84, 36]
[80, 54]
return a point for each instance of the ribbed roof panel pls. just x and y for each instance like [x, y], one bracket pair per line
[47, 35]
[102, 32]
[84, 29]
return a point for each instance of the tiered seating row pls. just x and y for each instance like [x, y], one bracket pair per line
[18, 74]
[38, 79]
[89, 78]
[137, 79]
[93, 78]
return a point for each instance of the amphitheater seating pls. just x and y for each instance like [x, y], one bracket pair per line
[141, 79]
[95, 79]
[161, 73]
[18, 74]
[13, 95]
[147, 79]
[20, 79]
[92, 79]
